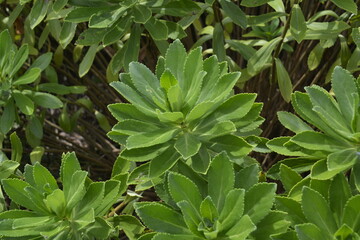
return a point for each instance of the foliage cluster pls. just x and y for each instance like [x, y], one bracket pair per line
[187, 150]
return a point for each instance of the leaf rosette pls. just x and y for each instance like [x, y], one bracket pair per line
[74, 212]
[218, 209]
[335, 147]
[186, 110]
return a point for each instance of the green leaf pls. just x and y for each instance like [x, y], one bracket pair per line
[111, 195]
[157, 29]
[24, 103]
[208, 209]
[16, 148]
[38, 12]
[309, 231]
[234, 200]
[288, 177]
[177, 8]
[356, 36]
[19, 59]
[7, 167]
[159, 217]
[91, 36]
[29, 77]
[69, 165]
[221, 179]
[36, 154]
[47, 100]
[59, 4]
[253, 3]
[163, 162]
[247, 177]
[43, 61]
[241, 229]
[132, 96]
[339, 194]
[15, 189]
[297, 23]
[292, 207]
[346, 92]
[317, 141]
[234, 12]
[344, 232]
[315, 57]
[342, 160]
[303, 106]
[76, 191]
[292, 122]
[130, 225]
[133, 46]
[320, 171]
[67, 33]
[351, 215]
[147, 84]
[192, 81]
[43, 178]
[7, 118]
[56, 202]
[175, 31]
[284, 80]
[262, 56]
[87, 60]
[259, 200]
[274, 223]
[151, 138]
[93, 197]
[348, 5]
[104, 19]
[187, 145]
[117, 31]
[201, 161]
[182, 188]
[141, 13]
[317, 211]
[233, 145]
[170, 117]
[175, 60]
[35, 127]
[219, 42]
[6, 41]
[192, 218]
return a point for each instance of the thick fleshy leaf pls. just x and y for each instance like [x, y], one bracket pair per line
[351, 215]
[317, 211]
[159, 217]
[187, 145]
[346, 92]
[259, 200]
[292, 207]
[163, 162]
[342, 159]
[339, 194]
[292, 122]
[234, 200]
[181, 188]
[151, 138]
[318, 141]
[221, 179]
[308, 231]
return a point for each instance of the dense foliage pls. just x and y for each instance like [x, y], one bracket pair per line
[215, 119]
